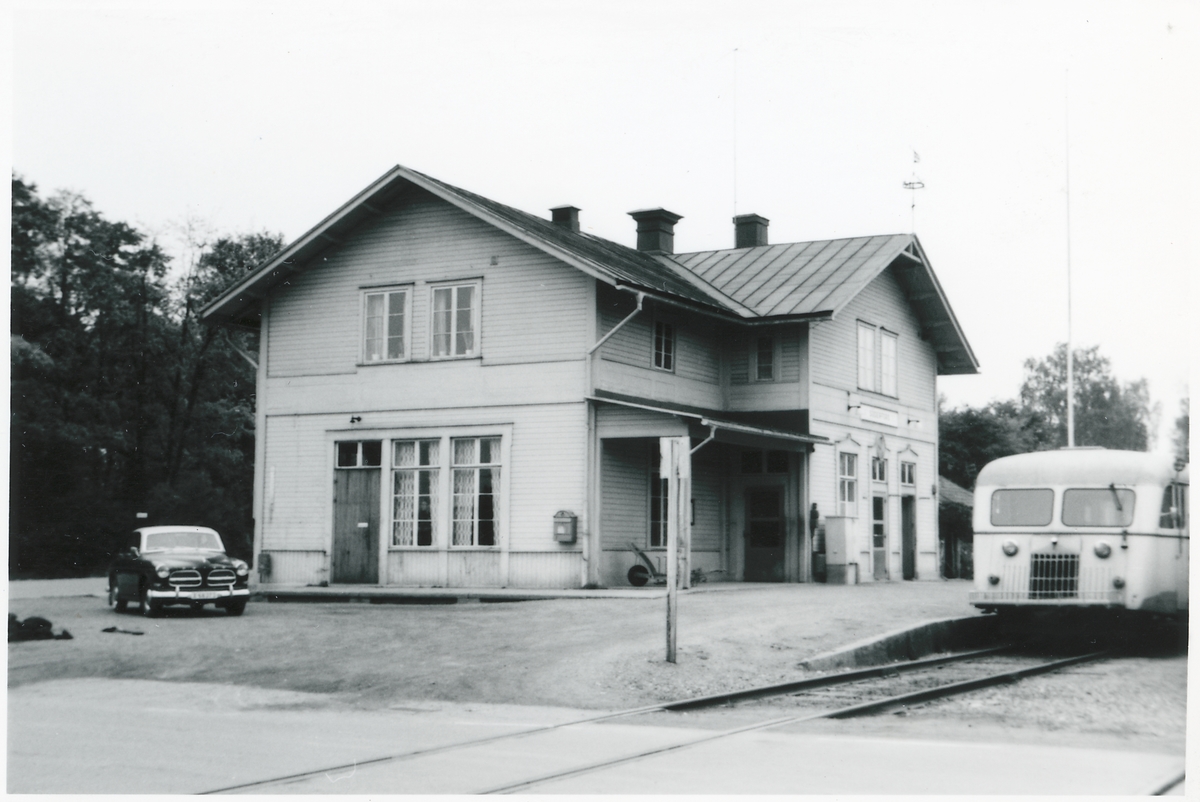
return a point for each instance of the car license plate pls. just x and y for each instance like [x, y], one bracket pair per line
[205, 594]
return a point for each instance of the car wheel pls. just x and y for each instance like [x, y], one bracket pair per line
[113, 601]
[236, 607]
[639, 575]
[150, 608]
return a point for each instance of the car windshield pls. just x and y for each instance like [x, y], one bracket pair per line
[163, 541]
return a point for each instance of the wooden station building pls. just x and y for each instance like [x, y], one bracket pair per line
[455, 393]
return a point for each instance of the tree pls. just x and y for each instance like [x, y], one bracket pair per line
[970, 438]
[1107, 413]
[122, 401]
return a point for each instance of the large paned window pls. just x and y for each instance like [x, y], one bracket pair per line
[664, 345]
[415, 474]
[848, 484]
[877, 361]
[476, 473]
[455, 321]
[386, 321]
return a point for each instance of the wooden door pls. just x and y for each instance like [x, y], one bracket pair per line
[766, 530]
[355, 526]
[908, 536]
[879, 536]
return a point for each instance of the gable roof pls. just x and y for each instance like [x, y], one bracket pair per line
[764, 284]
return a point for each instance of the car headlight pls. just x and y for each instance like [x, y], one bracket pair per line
[1010, 548]
[241, 568]
[163, 571]
[1102, 549]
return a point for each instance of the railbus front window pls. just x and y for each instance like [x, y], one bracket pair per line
[1110, 506]
[1025, 507]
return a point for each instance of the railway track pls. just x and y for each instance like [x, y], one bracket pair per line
[839, 695]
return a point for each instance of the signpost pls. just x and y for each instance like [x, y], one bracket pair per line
[676, 467]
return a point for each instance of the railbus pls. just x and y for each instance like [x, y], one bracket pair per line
[1082, 528]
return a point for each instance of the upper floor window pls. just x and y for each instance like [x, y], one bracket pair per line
[877, 365]
[848, 484]
[664, 345]
[386, 319]
[878, 469]
[764, 358]
[455, 321]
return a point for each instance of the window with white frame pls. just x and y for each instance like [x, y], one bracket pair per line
[764, 358]
[878, 469]
[476, 477]
[386, 319]
[415, 477]
[455, 321]
[908, 474]
[877, 361]
[847, 484]
[359, 453]
[664, 345]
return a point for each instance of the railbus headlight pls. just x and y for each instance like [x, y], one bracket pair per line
[1102, 550]
[1010, 548]
[993, 580]
[1118, 583]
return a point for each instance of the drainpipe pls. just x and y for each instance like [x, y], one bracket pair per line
[712, 435]
[591, 548]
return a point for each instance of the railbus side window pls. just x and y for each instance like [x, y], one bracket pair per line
[1174, 507]
[1026, 507]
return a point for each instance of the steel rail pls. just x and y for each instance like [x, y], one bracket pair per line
[691, 703]
[960, 687]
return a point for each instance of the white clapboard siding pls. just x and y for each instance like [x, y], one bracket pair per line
[696, 342]
[474, 569]
[534, 308]
[532, 569]
[708, 530]
[297, 567]
[834, 345]
[544, 472]
[625, 492]
[412, 568]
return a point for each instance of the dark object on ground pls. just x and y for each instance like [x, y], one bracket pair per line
[33, 628]
[123, 631]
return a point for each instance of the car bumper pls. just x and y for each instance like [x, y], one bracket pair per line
[200, 595]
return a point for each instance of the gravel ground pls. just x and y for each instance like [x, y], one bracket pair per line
[600, 653]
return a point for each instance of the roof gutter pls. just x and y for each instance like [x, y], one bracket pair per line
[771, 321]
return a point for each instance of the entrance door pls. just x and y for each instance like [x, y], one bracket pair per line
[766, 528]
[908, 536]
[879, 536]
[355, 526]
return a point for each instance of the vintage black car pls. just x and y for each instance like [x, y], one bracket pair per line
[177, 565]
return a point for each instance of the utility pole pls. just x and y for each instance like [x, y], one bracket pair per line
[676, 467]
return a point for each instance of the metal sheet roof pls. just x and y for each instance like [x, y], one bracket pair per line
[754, 285]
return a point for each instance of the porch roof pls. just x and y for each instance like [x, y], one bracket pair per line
[722, 429]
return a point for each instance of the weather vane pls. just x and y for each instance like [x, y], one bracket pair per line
[912, 186]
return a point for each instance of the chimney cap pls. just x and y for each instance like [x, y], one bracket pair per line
[751, 218]
[670, 218]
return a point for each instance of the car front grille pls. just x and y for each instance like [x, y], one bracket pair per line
[191, 578]
[1054, 576]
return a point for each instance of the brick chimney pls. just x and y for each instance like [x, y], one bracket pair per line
[656, 230]
[750, 230]
[565, 216]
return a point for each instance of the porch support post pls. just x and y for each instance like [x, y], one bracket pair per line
[676, 467]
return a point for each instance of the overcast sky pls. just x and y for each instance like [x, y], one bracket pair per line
[254, 116]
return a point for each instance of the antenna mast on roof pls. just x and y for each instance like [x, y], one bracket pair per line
[735, 166]
[1070, 358]
[912, 186]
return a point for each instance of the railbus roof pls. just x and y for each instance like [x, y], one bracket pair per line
[1080, 466]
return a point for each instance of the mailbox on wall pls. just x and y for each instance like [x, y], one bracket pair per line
[564, 526]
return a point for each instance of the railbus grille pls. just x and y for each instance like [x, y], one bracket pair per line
[1054, 576]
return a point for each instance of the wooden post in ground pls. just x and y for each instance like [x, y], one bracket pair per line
[676, 467]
